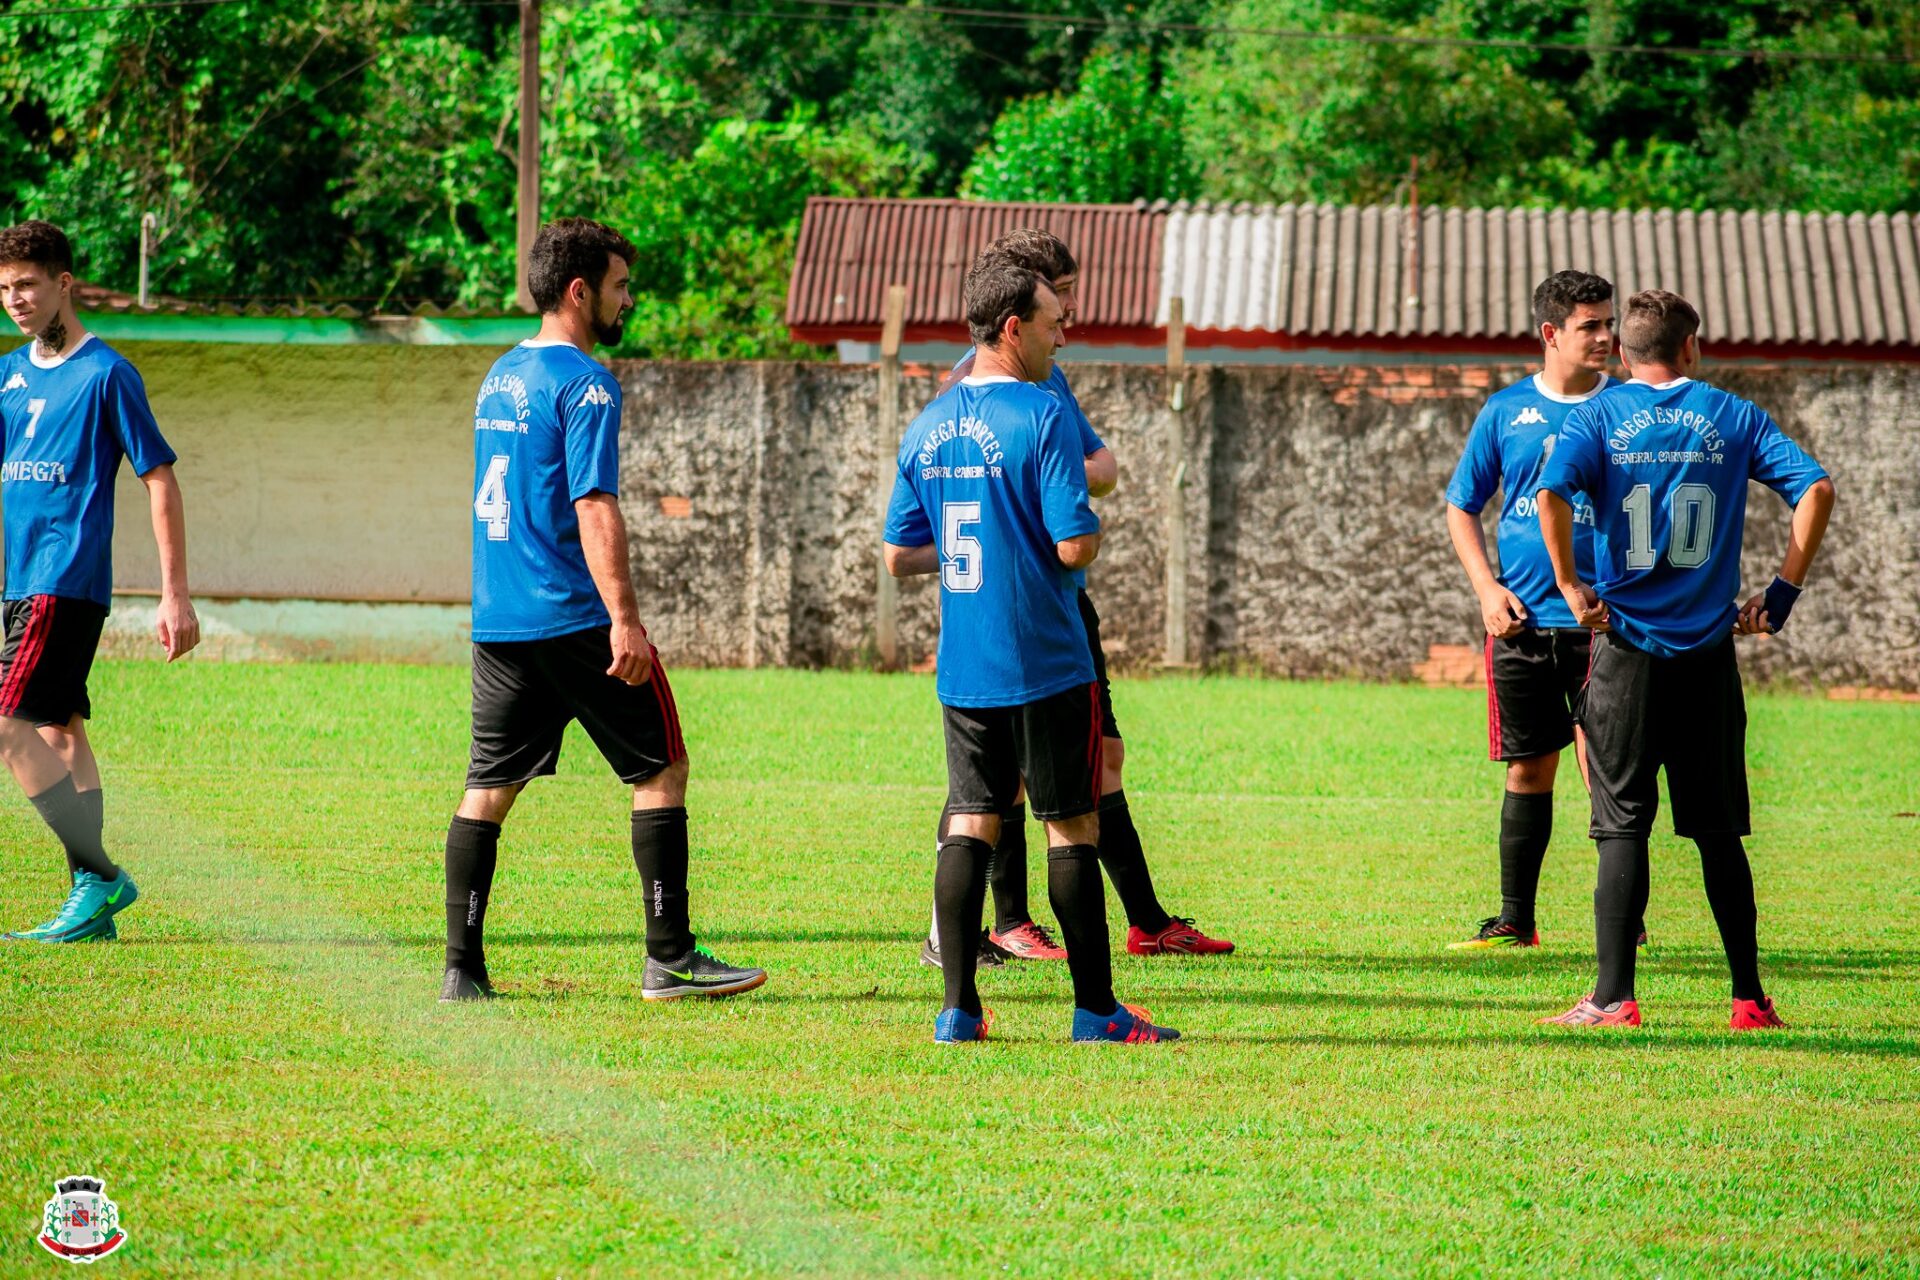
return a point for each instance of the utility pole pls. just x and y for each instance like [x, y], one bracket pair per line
[1176, 470]
[886, 600]
[529, 203]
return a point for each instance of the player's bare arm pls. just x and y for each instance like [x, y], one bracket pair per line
[908, 562]
[1078, 553]
[177, 626]
[1500, 610]
[1556, 527]
[1767, 611]
[1103, 473]
[603, 537]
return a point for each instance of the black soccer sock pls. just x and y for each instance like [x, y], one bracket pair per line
[473, 848]
[96, 817]
[1126, 864]
[660, 855]
[1526, 824]
[1729, 878]
[959, 895]
[1619, 904]
[1007, 872]
[1080, 905]
[72, 819]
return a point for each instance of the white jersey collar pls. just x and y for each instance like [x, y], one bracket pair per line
[56, 361]
[986, 379]
[1557, 398]
[536, 344]
[1664, 386]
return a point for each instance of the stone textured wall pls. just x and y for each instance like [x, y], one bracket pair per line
[1314, 524]
[1315, 529]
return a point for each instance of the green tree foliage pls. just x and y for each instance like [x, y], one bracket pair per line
[1118, 136]
[365, 149]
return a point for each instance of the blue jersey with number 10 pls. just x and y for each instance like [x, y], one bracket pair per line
[546, 433]
[1666, 468]
[991, 472]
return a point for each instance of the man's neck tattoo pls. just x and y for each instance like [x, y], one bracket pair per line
[53, 338]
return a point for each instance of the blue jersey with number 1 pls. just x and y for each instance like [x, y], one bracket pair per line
[1666, 468]
[992, 473]
[546, 433]
[67, 423]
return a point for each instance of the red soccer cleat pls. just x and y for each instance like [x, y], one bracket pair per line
[1178, 937]
[1028, 941]
[1754, 1015]
[1624, 1013]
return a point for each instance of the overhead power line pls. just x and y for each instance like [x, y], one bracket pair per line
[968, 16]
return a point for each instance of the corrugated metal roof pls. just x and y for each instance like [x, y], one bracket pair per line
[850, 250]
[1342, 271]
[1330, 270]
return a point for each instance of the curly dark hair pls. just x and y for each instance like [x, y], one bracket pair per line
[1555, 297]
[41, 243]
[569, 249]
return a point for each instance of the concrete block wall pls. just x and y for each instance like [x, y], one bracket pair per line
[1315, 536]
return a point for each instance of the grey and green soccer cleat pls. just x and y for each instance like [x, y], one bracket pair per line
[1495, 932]
[88, 911]
[698, 973]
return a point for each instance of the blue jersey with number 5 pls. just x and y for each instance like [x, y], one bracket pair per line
[546, 433]
[993, 474]
[1666, 468]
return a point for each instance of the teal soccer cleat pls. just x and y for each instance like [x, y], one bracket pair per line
[88, 911]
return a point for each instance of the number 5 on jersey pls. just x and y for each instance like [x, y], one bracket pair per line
[959, 554]
[490, 504]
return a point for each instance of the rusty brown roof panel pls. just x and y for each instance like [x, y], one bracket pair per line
[1344, 271]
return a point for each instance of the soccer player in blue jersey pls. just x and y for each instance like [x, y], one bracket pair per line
[1151, 929]
[70, 409]
[991, 493]
[556, 627]
[1536, 656]
[1665, 460]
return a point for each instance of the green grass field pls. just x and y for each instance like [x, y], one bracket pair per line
[259, 1070]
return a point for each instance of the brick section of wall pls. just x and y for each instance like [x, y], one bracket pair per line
[1316, 536]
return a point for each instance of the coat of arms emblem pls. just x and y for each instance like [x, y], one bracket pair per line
[81, 1225]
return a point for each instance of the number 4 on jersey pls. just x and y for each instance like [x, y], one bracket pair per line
[491, 504]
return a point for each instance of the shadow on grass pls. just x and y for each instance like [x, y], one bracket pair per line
[1810, 966]
[1607, 1040]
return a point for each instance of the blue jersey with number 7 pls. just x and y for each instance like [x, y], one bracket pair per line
[546, 433]
[992, 473]
[1666, 468]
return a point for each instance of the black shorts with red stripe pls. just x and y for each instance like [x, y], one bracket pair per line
[48, 655]
[1054, 743]
[526, 692]
[1533, 690]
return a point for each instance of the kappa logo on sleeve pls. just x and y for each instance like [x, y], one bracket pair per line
[1530, 417]
[596, 394]
[80, 1224]
[18, 382]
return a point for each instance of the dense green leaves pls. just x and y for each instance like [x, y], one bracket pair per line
[364, 149]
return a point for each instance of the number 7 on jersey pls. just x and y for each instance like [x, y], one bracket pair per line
[490, 504]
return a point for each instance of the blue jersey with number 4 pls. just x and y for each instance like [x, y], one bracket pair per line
[1666, 468]
[546, 433]
[68, 422]
[991, 472]
[1511, 440]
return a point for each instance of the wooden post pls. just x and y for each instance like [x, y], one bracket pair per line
[529, 201]
[886, 597]
[1176, 470]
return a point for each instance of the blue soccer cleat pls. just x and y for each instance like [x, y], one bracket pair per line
[1127, 1024]
[956, 1026]
[88, 911]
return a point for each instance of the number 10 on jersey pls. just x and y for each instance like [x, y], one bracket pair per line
[490, 505]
